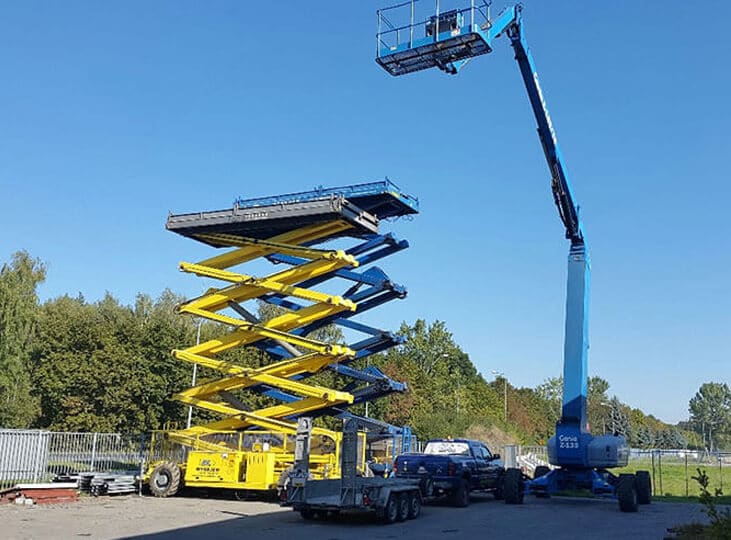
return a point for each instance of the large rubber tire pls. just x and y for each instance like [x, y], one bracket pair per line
[627, 493]
[307, 513]
[403, 506]
[414, 505]
[426, 486]
[460, 496]
[643, 485]
[165, 479]
[513, 488]
[390, 512]
[499, 492]
[541, 470]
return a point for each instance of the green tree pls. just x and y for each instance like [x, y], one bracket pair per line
[710, 411]
[18, 330]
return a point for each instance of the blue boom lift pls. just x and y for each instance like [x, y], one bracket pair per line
[448, 40]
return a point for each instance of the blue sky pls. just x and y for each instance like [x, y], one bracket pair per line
[114, 114]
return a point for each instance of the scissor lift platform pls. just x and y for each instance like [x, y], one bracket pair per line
[361, 206]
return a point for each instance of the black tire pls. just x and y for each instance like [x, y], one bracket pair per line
[165, 479]
[627, 493]
[460, 496]
[307, 513]
[414, 505]
[403, 506]
[513, 486]
[390, 512]
[643, 485]
[499, 492]
[426, 486]
[541, 470]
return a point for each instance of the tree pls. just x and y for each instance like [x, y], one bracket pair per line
[18, 329]
[710, 411]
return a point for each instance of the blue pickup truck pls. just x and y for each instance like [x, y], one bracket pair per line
[453, 468]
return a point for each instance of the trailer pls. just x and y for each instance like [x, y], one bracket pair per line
[390, 499]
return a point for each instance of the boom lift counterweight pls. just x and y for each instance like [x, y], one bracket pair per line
[449, 40]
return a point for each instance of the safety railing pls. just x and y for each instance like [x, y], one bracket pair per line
[31, 456]
[405, 24]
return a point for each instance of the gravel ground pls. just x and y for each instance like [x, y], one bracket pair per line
[183, 518]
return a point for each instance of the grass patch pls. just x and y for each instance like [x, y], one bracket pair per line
[674, 478]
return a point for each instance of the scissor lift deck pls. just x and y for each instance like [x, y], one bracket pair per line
[263, 222]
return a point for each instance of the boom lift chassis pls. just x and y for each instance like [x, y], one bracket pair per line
[448, 41]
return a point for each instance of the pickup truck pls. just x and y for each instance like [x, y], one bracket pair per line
[453, 468]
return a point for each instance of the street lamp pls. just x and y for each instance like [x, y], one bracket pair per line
[505, 393]
[195, 373]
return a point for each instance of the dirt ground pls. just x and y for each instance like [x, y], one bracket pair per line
[132, 516]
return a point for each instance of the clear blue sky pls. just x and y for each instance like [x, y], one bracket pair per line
[114, 114]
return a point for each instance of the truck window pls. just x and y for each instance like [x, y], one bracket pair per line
[447, 448]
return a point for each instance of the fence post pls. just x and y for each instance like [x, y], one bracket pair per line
[720, 471]
[654, 490]
[659, 467]
[93, 451]
[686, 474]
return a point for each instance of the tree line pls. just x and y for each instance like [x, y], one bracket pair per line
[69, 364]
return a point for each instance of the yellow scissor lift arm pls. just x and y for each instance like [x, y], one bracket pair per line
[216, 454]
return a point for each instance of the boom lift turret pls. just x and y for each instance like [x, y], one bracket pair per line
[450, 39]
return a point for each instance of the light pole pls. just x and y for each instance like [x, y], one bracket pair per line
[505, 393]
[195, 373]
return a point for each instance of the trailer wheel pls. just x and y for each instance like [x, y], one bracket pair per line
[541, 470]
[627, 493]
[414, 505]
[513, 486]
[461, 494]
[643, 484]
[307, 513]
[403, 506]
[390, 512]
[165, 479]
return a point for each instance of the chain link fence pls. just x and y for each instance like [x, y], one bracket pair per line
[31, 456]
[672, 471]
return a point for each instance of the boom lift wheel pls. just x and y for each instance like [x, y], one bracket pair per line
[643, 485]
[513, 486]
[165, 479]
[627, 493]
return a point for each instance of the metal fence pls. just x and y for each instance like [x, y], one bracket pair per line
[672, 471]
[28, 456]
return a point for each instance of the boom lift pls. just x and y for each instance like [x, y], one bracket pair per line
[449, 40]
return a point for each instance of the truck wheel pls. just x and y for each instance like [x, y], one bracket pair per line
[541, 470]
[403, 506]
[513, 486]
[426, 485]
[414, 505]
[627, 493]
[498, 493]
[165, 479]
[643, 484]
[461, 494]
[390, 512]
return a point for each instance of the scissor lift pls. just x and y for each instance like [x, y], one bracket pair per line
[250, 450]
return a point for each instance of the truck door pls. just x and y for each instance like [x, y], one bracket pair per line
[492, 467]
